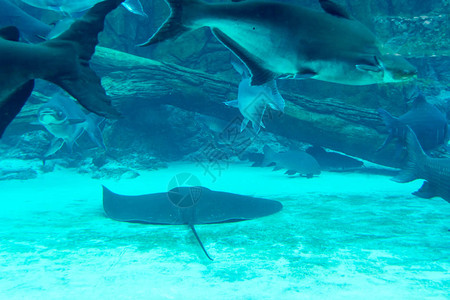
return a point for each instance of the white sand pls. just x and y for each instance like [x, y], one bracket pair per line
[341, 235]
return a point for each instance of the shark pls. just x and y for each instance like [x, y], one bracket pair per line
[72, 6]
[187, 205]
[288, 41]
[65, 120]
[428, 123]
[32, 29]
[435, 171]
[63, 61]
[253, 100]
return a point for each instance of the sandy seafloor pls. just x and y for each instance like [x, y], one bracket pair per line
[339, 236]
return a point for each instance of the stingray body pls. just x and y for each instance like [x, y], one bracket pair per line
[187, 206]
[31, 29]
[63, 61]
[428, 123]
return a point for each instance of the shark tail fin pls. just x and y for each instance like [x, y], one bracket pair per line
[199, 241]
[277, 101]
[268, 156]
[181, 11]
[82, 83]
[416, 158]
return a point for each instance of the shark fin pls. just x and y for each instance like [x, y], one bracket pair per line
[426, 191]
[276, 168]
[93, 130]
[387, 118]
[82, 83]
[12, 105]
[10, 33]
[55, 145]
[173, 27]
[135, 7]
[334, 9]
[199, 241]
[277, 102]
[232, 103]
[268, 156]
[259, 74]
[416, 156]
[290, 172]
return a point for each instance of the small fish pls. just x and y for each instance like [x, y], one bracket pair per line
[294, 161]
[428, 123]
[73, 6]
[65, 120]
[253, 100]
[436, 171]
[282, 40]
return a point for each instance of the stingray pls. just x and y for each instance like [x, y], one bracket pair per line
[187, 206]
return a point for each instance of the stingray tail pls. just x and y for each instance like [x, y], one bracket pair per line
[416, 159]
[182, 12]
[199, 241]
[80, 81]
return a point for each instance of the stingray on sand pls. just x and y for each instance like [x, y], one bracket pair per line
[187, 206]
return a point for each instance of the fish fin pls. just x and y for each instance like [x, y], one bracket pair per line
[276, 168]
[244, 124]
[277, 102]
[385, 143]
[415, 160]
[240, 68]
[10, 33]
[173, 27]
[259, 74]
[426, 191]
[135, 7]
[387, 118]
[335, 9]
[232, 103]
[94, 132]
[199, 241]
[11, 106]
[55, 146]
[82, 83]
[290, 172]
[257, 127]
[268, 156]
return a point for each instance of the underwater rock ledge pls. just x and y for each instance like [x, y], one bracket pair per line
[351, 129]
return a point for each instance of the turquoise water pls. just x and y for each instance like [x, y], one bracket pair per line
[339, 235]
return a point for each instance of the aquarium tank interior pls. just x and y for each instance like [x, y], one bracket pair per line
[224, 149]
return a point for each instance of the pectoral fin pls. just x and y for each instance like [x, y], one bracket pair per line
[259, 74]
